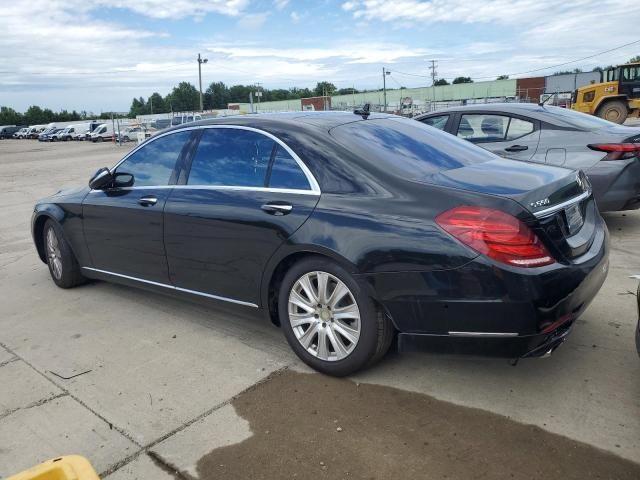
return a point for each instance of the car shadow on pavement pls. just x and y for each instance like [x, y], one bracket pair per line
[313, 426]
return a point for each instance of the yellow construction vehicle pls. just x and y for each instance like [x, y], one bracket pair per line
[615, 98]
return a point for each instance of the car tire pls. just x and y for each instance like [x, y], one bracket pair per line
[370, 329]
[99, 139]
[615, 111]
[62, 263]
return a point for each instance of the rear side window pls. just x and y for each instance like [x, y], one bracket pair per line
[519, 128]
[439, 122]
[408, 148]
[286, 173]
[492, 128]
[231, 157]
[485, 128]
[153, 164]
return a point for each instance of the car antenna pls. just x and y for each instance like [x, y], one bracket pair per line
[364, 111]
[541, 104]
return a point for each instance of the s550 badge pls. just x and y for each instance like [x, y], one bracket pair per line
[540, 203]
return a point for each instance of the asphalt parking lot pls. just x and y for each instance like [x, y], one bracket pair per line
[147, 386]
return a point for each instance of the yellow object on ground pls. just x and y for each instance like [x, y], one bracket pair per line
[70, 467]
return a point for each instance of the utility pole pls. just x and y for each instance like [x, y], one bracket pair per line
[200, 62]
[385, 72]
[258, 95]
[434, 74]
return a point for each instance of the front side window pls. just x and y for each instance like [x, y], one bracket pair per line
[286, 173]
[439, 122]
[153, 164]
[231, 157]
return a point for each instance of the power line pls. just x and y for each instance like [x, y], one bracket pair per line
[535, 69]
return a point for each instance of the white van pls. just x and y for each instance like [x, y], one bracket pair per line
[102, 133]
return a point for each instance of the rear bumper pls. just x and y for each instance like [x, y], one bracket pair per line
[616, 184]
[492, 310]
[515, 347]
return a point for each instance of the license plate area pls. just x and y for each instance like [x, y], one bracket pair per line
[574, 218]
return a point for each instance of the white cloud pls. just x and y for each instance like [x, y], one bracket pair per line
[177, 8]
[353, 53]
[280, 4]
[467, 11]
[295, 17]
[253, 21]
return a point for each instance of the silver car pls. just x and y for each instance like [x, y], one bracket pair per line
[608, 153]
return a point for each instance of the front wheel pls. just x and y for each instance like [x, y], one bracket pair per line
[329, 321]
[615, 111]
[63, 266]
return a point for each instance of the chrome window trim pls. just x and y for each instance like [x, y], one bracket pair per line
[216, 187]
[313, 183]
[171, 287]
[556, 208]
[483, 334]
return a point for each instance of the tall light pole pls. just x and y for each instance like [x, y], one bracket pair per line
[200, 62]
[385, 72]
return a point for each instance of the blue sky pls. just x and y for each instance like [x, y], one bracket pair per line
[96, 55]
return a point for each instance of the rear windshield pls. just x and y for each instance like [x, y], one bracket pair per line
[408, 147]
[577, 119]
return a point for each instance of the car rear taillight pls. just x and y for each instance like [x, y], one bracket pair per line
[616, 151]
[495, 234]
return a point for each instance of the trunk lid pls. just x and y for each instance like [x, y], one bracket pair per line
[557, 201]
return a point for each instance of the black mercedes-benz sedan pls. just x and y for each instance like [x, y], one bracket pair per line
[347, 230]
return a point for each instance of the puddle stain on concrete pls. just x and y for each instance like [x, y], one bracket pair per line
[309, 425]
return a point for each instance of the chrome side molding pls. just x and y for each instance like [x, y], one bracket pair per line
[171, 287]
[483, 334]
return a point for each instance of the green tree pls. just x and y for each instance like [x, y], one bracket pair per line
[440, 81]
[138, 107]
[8, 116]
[635, 59]
[217, 96]
[347, 91]
[462, 80]
[184, 98]
[325, 88]
[156, 103]
[503, 77]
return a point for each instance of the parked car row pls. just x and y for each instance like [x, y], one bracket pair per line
[9, 131]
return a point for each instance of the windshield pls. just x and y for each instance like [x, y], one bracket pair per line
[578, 119]
[410, 148]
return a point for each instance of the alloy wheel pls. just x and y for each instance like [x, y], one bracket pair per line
[53, 254]
[324, 316]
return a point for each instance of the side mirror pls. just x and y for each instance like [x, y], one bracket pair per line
[101, 179]
[123, 179]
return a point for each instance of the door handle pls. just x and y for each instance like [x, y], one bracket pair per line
[517, 148]
[277, 208]
[148, 201]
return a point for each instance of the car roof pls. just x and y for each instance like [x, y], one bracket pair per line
[492, 107]
[531, 110]
[267, 121]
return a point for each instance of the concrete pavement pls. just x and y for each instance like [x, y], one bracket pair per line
[156, 375]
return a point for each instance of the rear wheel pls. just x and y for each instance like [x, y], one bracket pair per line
[614, 111]
[329, 322]
[63, 266]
